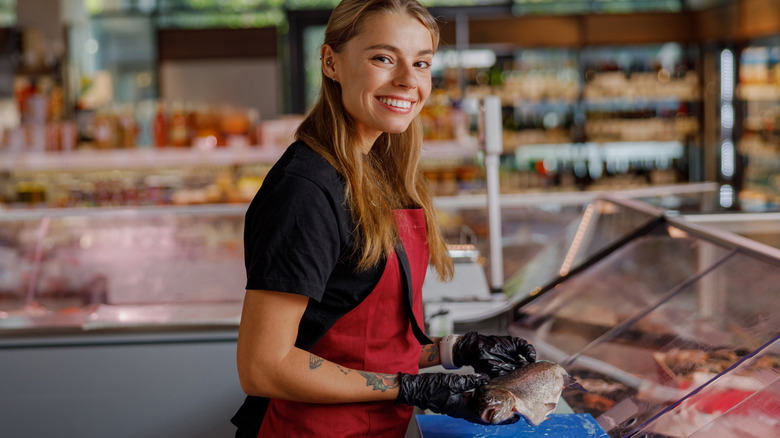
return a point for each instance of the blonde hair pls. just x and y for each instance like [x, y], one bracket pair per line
[388, 177]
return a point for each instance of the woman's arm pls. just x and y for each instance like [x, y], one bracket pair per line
[430, 354]
[269, 364]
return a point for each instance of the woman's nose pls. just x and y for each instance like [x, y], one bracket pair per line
[405, 76]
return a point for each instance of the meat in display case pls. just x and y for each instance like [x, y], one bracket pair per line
[673, 329]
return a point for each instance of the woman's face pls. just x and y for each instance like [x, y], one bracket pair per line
[384, 73]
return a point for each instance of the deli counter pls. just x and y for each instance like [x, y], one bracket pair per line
[120, 322]
[664, 309]
[112, 316]
[672, 327]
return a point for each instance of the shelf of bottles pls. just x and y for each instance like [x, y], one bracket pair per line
[759, 144]
[161, 153]
[596, 117]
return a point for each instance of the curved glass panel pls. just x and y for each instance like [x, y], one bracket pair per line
[638, 342]
[596, 302]
[602, 224]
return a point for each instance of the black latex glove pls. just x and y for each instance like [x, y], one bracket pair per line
[492, 355]
[443, 393]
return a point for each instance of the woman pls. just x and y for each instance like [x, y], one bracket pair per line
[337, 244]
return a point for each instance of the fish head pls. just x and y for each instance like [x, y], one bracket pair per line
[495, 404]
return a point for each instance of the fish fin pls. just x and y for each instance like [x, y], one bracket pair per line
[526, 413]
[551, 406]
[571, 382]
[537, 413]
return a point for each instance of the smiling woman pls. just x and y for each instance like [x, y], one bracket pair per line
[337, 244]
[374, 52]
[385, 74]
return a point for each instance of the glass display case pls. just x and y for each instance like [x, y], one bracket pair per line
[149, 265]
[670, 324]
[672, 327]
[546, 237]
[171, 265]
[114, 314]
[603, 225]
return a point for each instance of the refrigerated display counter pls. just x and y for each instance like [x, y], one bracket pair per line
[673, 329]
[117, 314]
[120, 322]
[90, 268]
[545, 237]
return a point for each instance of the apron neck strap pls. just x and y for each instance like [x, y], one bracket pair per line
[406, 277]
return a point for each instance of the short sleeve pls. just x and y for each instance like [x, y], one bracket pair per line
[291, 237]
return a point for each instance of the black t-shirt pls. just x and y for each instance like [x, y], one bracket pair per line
[298, 238]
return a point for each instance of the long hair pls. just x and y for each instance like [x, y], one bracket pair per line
[388, 177]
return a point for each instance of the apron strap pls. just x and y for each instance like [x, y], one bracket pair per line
[406, 277]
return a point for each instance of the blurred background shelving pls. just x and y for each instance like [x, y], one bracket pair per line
[595, 94]
[758, 92]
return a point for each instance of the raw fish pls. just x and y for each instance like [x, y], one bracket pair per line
[532, 392]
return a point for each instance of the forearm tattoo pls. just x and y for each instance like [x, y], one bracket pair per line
[433, 352]
[315, 362]
[379, 381]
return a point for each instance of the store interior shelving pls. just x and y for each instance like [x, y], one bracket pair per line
[147, 157]
[572, 103]
[91, 159]
[89, 177]
[758, 92]
[591, 117]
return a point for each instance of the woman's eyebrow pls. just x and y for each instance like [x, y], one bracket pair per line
[394, 49]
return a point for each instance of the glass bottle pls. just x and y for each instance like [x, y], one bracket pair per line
[178, 131]
[160, 127]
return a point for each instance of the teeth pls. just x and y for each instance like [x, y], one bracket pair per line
[396, 102]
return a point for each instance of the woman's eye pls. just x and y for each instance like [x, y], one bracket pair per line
[382, 58]
[422, 64]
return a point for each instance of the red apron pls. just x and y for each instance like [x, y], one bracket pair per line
[377, 336]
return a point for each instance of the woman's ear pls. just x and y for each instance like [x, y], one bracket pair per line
[328, 61]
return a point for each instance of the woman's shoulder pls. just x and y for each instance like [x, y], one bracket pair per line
[302, 161]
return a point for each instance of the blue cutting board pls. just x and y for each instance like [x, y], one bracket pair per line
[558, 426]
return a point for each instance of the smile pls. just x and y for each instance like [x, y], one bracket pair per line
[397, 103]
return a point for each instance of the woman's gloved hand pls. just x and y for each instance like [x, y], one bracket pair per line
[492, 355]
[443, 393]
